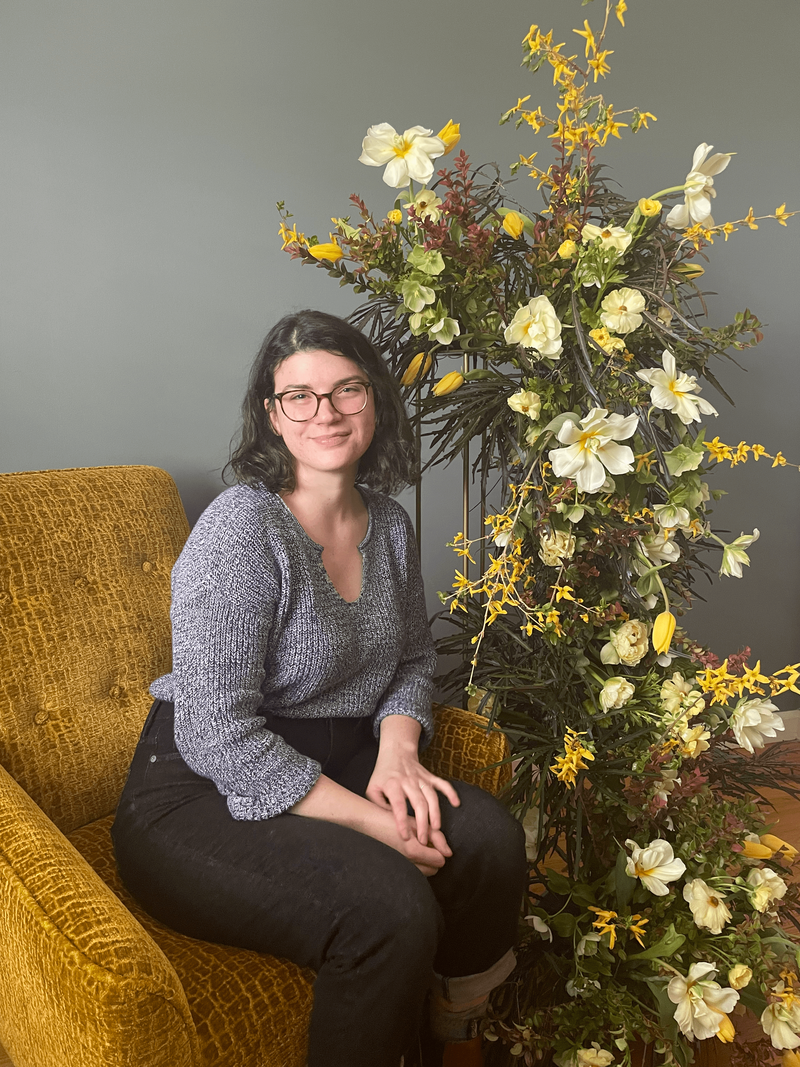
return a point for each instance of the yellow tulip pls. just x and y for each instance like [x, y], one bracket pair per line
[753, 850]
[417, 368]
[663, 629]
[777, 844]
[329, 251]
[726, 1032]
[649, 208]
[513, 224]
[395, 216]
[690, 271]
[451, 135]
[790, 1058]
[448, 384]
[567, 249]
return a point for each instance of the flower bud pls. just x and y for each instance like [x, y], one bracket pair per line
[395, 216]
[663, 629]
[777, 844]
[690, 270]
[567, 249]
[739, 976]
[417, 368]
[754, 850]
[513, 224]
[727, 1031]
[649, 208]
[451, 135]
[330, 252]
[448, 384]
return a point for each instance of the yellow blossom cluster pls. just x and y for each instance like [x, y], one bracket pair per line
[609, 922]
[698, 234]
[721, 453]
[725, 685]
[566, 767]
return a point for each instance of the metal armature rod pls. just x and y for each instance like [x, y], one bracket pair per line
[465, 486]
[418, 487]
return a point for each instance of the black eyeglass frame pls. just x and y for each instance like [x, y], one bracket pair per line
[324, 396]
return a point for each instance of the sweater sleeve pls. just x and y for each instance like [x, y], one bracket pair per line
[224, 599]
[410, 691]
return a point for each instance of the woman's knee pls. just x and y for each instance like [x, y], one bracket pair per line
[485, 829]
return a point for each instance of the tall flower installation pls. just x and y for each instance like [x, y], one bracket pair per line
[564, 352]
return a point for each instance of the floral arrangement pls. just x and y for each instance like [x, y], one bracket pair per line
[568, 346]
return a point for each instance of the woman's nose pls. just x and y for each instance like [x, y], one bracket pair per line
[327, 412]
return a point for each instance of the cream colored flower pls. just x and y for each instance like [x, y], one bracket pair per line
[672, 391]
[781, 1021]
[654, 866]
[535, 325]
[616, 693]
[702, 1005]
[556, 546]
[609, 236]
[526, 403]
[694, 741]
[671, 516]
[628, 644]
[766, 888]
[426, 205]
[408, 156]
[752, 721]
[734, 555]
[699, 188]
[585, 1057]
[444, 330]
[592, 449]
[707, 906]
[660, 547]
[679, 695]
[621, 310]
[739, 976]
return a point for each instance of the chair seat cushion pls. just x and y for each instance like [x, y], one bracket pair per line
[248, 1008]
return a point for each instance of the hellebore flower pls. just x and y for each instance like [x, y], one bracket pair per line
[536, 325]
[409, 155]
[702, 1004]
[654, 866]
[672, 390]
[592, 449]
[752, 721]
[621, 310]
[734, 555]
[415, 295]
[699, 188]
[444, 330]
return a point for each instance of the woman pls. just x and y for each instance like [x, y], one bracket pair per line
[276, 800]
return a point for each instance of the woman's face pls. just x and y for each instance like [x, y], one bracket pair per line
[329, 441]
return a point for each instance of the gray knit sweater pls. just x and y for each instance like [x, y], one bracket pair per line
[257, 623]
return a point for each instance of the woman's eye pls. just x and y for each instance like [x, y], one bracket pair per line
[295, 397]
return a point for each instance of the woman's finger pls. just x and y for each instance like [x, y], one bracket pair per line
[432, 798]
[439, 842]
[448, 789]
[419, 804]
[397, 800]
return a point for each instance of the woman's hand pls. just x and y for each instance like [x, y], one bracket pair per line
[399, 779]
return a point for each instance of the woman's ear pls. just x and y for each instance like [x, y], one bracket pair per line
[270, 409]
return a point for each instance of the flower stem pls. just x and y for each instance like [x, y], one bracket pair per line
[671, 189]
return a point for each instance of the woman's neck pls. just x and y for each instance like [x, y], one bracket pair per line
[325, 499]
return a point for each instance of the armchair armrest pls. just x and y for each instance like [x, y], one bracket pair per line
[80, 979]
[465, 747]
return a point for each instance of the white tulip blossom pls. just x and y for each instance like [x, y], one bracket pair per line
[536, 325]
[752, 721]
[699, 188]
[702, 1004]
[609, 236]
[654, 866]
[707, 905]
[592, 449]
[628, 644]
[672, 391]
[621, 310]
[616, 693]
[527, 403]
[408, 156]
[765, 888]
[734, 556]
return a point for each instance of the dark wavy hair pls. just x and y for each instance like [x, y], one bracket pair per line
[261, 458]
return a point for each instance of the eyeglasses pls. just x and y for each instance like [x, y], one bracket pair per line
[301, 405]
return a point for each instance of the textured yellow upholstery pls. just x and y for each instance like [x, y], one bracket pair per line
[86, 978]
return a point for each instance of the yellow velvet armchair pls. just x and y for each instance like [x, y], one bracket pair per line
[87, 979]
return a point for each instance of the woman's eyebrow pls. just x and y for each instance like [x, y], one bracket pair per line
[341, 381]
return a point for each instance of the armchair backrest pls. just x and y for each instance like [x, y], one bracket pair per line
[85, 562]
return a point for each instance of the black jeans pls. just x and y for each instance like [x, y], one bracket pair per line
[359, 913]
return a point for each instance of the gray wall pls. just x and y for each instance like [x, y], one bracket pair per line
[145, 142]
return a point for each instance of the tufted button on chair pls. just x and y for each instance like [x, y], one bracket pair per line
[86, 977]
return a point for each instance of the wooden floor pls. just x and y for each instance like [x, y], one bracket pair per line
[787, 819]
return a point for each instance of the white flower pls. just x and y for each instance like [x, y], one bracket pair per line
[621, 310]
[582, 986]
[660, 547]
[616, 693]
[699, 188]
[678, 695]
[609, 236]
[752, 721]
[587, 946]
[592, 449]
[540, 926]
[781, 1019]
[536, 325]
[739, 976]
[408, 155]
[654, 866]
[526, 403]
[766, 888]
[426, 205]
[628, 644]
[670, 516]
[702, 1004]
[556, 546]
[444, 330]
[503, 538]
[706, 904]
[734, 555]
[672, 391]
[585, 1057]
